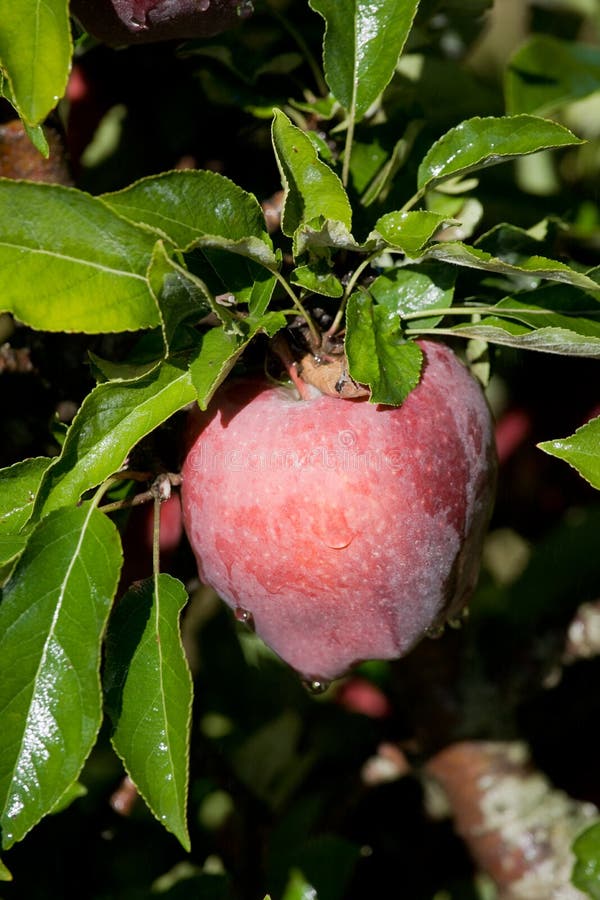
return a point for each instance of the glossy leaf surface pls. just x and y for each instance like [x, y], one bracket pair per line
[68, 263]
[563, 341]
[581, 450]
[481, 142]
[586, 872]
[52, 617]
[219, 349]
[149, 697]
[18, 487]
[459, 254]
[362, 43]
[184, 206]
[311, 188]
[112, 419]
[410, 289]
[35, 54]
[377, 353]
[409, 231]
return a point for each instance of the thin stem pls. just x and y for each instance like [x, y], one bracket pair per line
[491, 310]
[137, 500]
[349, 288]
[348, 151]
[305, 50]
[435, 331]
[411, 202]
[311, 325]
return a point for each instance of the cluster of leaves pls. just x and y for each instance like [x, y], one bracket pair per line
[376, 230]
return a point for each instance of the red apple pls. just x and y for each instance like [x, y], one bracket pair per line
[120, 22]
[345, 530]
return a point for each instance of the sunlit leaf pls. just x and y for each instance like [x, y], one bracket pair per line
[459, 254]
[411, 289]
[586, 872]
[18, 486]
[562, 341]
[68, 263]
[481, 142]
[363, 41]
[409, 231]
[581, 450]
[35, 54]
[219, 350]
[183, 206]
[311, 188]
[112, 419]
[317, 278]
[378, 354]
[149, 697]
[52, 617]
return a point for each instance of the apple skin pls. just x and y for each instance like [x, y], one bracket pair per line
[345, 529]
[121, 22]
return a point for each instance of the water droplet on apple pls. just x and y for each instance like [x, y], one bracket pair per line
[244, 616]
[316, 686]
[136, 24]
[203, 5]
[435, 632]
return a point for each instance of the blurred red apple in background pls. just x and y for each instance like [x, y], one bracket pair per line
[345, 530]
[119, 22]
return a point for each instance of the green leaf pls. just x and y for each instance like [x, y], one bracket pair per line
[318, 278]
[378, 355]
[298, 888]
[35, 54]
[362, 43]
[219, 349]
[148, 692]
[562, 341]
[546, 73]
[11, 546]
[35, 133]
[586, 872]
[481, 142]
[111, 420]
[183, 206]
[252, 248]
[409, 231]
[178, 296]
[410, 289]
[204, 209]
[536, 316]
[320, 235]
[52, 618]
[73, 792]
[18, 487]
[5, 874]
[458, 254]
[311, 188]
[66, 247]
[581, 450]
